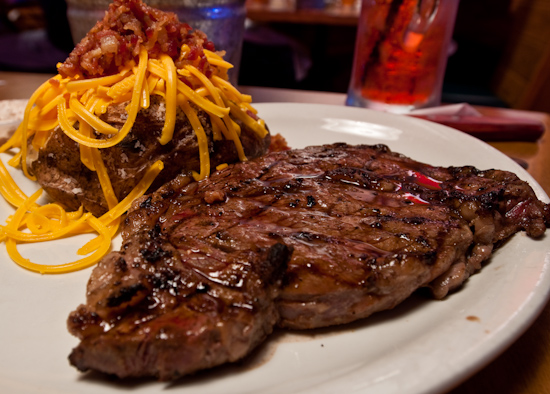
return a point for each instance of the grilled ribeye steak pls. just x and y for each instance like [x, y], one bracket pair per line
[185, 307]
[356, 229]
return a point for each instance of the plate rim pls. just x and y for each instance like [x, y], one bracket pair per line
[529, 316]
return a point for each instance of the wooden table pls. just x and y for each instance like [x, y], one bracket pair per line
[287, 11]
[524, 368]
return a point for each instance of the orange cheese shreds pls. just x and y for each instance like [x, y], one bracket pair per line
[75, 105]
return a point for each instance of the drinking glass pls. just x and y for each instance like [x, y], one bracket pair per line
[401, 54]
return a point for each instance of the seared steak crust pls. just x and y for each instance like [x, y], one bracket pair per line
[67, 180]
[356, 229]
[155, 309]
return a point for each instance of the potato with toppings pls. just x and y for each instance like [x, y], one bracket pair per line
[140, 87]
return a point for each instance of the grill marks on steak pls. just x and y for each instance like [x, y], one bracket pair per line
[159, 310]
[356, 229]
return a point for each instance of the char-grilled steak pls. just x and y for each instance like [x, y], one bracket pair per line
[300, 239]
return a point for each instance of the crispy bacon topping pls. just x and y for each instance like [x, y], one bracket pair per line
[128, 24]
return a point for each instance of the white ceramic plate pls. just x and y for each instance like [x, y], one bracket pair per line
[423, 346]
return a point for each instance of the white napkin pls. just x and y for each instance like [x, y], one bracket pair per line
[461, 109]
[466, 118]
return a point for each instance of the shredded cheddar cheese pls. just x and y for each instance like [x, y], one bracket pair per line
[75, 105]
[170, 96]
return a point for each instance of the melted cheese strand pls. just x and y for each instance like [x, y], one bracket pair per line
[204, 157]
[43, 124]
[21, 210]
[104, 179]
[90, 118]
[216, 60]
[85, 84]
[225, 85]
[101, 229]
[122, 88]
[152, 81]
[21, 134]
[216, 131]
[14, 140]
[220, 63]
[233, 130]
[85, 151]
[31, 237]
[40, 138]
[207, 84]
[97, 242]
[170, 101]
[49, 107]
[24, 131]
[9, 189]
[137, 192]
[201, 102]
[11, 248]
[38, 224]
[16, 159]
[220, 125]
[145, 96]
[132, 113]
[246, 119]
[55, 211]
[45, 103]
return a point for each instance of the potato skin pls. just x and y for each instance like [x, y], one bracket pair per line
[60, 172]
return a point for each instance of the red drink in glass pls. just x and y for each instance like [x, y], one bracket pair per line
[401, 53]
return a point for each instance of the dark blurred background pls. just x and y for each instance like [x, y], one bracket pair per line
[500, 54]
[34, 35]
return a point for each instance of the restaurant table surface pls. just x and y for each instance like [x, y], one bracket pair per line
[523, 368]
[288, 11]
